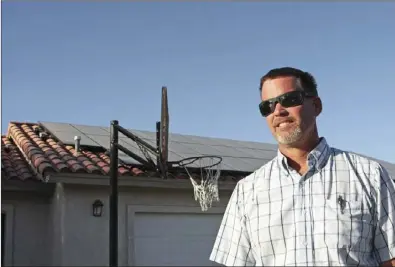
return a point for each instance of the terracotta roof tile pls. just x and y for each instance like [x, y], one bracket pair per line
[28, 152]
[47, 155]
[13, 165]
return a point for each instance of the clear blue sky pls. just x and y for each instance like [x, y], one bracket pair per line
[89, 63]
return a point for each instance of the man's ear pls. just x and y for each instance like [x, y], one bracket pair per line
[317, 106]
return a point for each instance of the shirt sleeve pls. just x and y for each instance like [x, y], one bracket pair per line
[232, 246]
[384, 241]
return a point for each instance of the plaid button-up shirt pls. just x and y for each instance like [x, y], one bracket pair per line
[341, 212]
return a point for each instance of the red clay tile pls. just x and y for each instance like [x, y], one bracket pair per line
[13, 164]
[137, 171]
[29, 148]
[48, 155]
[123, 170]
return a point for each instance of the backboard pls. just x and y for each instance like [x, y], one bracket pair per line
[164, 131]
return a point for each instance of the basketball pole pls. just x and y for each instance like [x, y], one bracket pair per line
[161, 153]
[113, 238]
[114, 146]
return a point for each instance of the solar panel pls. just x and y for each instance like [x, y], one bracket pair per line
[132, 147]
[174, 156]
[99, 140]
[202, 149]
[253, 145]
[207, 141]
[144, 134]
[257, 163]
[233, 152]
[258, 153]
[237, 155]
[57, 126]
[68, 138]
[91, 130]
[179, 138]
[180, 149]
[237, 164]
[125, 159]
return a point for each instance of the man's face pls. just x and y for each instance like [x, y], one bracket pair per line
[289, 125]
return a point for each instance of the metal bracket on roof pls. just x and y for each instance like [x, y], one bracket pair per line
[115, 129]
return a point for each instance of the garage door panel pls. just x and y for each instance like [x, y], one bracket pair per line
[165, 224]
[174, 239]
[173, 251]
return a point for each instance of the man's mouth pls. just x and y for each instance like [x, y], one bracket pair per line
[284, 124]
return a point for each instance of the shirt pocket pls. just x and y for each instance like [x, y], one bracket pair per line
[350, 225]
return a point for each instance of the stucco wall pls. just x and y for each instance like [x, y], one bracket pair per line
[28, 235]
[86, 236]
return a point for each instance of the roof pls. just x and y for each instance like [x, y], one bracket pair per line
[27, 156]
[236, 156]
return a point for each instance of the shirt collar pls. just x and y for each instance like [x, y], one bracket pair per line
[316, 158]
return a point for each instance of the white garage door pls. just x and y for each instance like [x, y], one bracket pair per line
[176, 239]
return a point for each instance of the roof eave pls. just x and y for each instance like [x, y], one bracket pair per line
[130, 181]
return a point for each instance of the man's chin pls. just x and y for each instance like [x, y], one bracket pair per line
[289, 139]
[285, 142]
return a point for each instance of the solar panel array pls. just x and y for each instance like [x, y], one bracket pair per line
[236, 155]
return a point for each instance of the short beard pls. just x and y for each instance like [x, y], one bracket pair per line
[291, 138]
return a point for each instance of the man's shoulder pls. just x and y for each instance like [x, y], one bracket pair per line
[362, 166]
[357, 160]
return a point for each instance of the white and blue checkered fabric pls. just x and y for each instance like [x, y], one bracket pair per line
[341, 213]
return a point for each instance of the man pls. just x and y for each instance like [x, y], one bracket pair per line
[312, 205]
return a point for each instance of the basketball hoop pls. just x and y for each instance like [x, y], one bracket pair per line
[207, 190]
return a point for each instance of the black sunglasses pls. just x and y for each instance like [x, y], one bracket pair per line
[287, 100]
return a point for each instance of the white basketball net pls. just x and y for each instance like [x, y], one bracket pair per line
[206, 192]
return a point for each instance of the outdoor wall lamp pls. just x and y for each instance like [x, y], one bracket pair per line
[97, 207]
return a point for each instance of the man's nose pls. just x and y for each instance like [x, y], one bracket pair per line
[279, 110]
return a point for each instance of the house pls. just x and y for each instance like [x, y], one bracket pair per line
[48, 193]
[55, 207]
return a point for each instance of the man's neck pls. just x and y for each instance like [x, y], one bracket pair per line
[297, 155]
